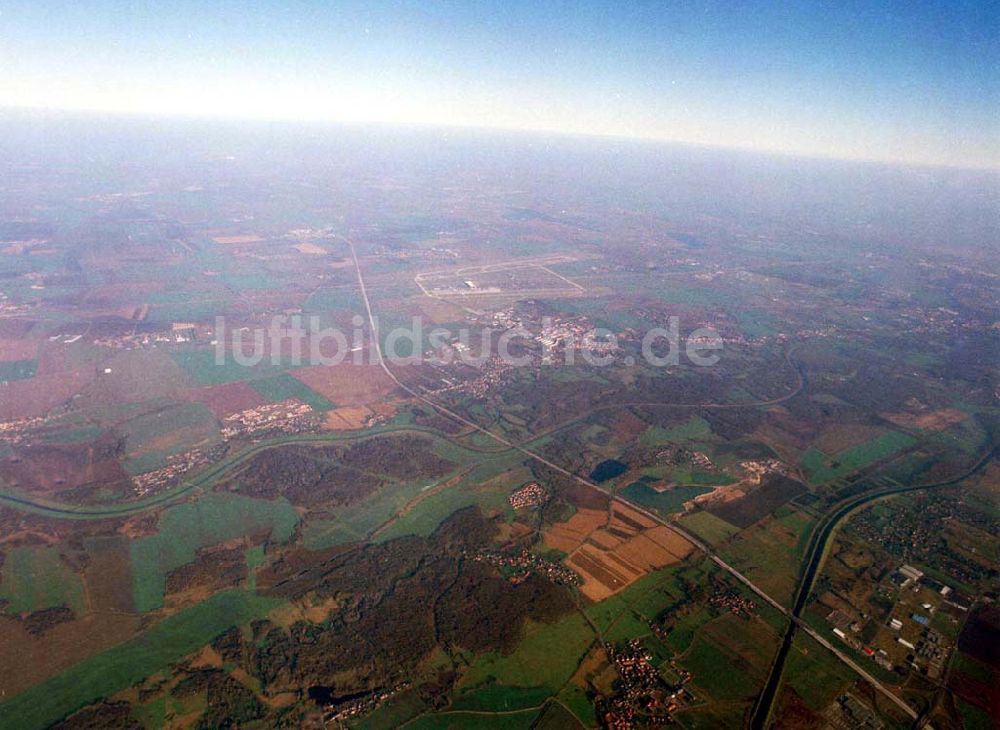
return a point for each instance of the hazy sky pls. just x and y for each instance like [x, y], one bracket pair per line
[914, 81]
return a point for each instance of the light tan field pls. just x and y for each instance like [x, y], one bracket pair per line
[604, 540]
[644, 553]
[347, 418]
[207, 658]
[439, 311]
[569, 535]
[671, 541]
[592, 666]
[311, 608]
[350, 418]
[933, 421]
[611, 550]
[224, 399]
[602, 576]
[622, 511]
[13, 350]
[310, 248]
[347, 384]
[246, 238]
[40, 657]
[38, 395]
[841, 436]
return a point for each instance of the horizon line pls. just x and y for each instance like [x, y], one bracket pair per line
[185, 116]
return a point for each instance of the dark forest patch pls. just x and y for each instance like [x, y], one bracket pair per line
[402, 457]
[38, 622]
[301, 475]
[483, 611]
[228, 703]
[214, 569]
[411, 595]
[101, 716]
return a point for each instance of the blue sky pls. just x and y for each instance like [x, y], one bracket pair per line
[911, 81]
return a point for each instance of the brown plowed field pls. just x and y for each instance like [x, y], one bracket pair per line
[226, 399]
[610, 554]
[347, 384]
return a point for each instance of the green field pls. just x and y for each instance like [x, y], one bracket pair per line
[694, 429]
[122, 666]
[713, 717]
[770, 552]
[393, 713]
[17, 369]
[472, 721]
[501, 698]
[600, 310]
[328, 299]
[666, 502]
[714, 671]
[627, 613]
[283, 387]
[556, 716]
[691, 295]
[183, 529]
[822, 468]
[576, 699]
[357, 521]
[975, 718]
[730, 656]
[546, 657]
[153, 437]
[816, 675]
[35, 577]
[487, 485]
[758, 322]
[968, 436]
[202, 368]
[194, 310]
[683, 632]
[708, 527]
[244, 281]
[76, 435]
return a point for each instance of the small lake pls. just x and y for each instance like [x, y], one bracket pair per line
[608, 469]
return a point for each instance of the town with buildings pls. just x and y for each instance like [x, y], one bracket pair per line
[286, 417]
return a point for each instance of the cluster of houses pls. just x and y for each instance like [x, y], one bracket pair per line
[14, 432]
[288, 416]
[735, 602]
[337, 715]
[642, 691]
[530, 495]
[177, 465]
[525, 563]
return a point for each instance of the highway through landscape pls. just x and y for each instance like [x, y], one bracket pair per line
[812, 565]
[819, 541]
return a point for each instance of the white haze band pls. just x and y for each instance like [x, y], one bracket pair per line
[289, 340]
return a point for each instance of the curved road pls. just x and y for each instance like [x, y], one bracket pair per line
[817, 550]
[205, 477]
[818, 542]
